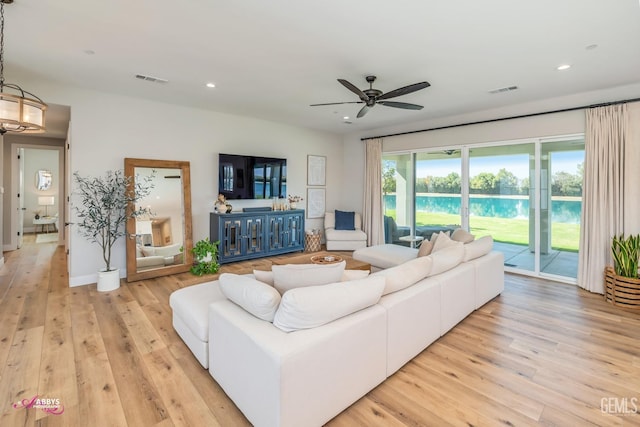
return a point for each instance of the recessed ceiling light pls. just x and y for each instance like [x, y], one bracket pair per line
[346, 117]
[211, 85]
[563, 67]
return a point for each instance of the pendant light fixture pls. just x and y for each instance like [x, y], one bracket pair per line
[20, 111]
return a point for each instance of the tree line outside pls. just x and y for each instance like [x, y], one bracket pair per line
[504, 183]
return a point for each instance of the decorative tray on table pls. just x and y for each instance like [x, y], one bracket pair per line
[326, 259]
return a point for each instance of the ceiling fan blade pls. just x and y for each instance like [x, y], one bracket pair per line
[404, 105]
[337, 103]
[363, 111]
[354, 89]
[404, 90]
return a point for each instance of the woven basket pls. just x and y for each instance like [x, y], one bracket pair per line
[622, 291]
[312, 242]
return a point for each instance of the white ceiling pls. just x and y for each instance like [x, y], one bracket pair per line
[271, 59]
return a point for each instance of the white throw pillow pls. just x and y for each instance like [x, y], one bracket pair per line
[404, 275]
[292, 276]
[443, 241]
[354, 275]
[461, 235]
[305, 308]
[148, 250]
[255, 297]
[478, 248]
[426, 247]
[447, 258]
[264, 276]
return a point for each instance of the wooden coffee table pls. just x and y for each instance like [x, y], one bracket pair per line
[352, 264]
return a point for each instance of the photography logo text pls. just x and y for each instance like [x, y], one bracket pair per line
[619, 405]
[46, 404]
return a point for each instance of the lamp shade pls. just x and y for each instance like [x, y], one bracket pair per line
[143, 227]
[45, 200]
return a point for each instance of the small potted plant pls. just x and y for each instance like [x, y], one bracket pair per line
[293, 201]
[622, 285]
[205, 256]
[103, 214]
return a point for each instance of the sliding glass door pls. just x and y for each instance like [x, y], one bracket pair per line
[438, 184]
[502, 200]
[527, 195]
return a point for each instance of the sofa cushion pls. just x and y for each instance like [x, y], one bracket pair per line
[292, 276]
[404, 275]
[345, 220]
[345, 235]
[426, 247]
[264, 276]
[191, 304]
[385, 256]
[255, 297]
[354, 275]
[443, 241]
[478, 248]
[309, 307]
[461, 235]
[447, 258]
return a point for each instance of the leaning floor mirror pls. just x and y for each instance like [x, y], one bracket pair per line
[159, 242]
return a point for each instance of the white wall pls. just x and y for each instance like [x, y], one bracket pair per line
[107, 128]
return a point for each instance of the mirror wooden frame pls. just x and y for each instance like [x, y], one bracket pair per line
[132, 271]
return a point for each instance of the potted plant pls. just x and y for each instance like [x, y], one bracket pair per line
[205, 255]
[622, 285]
[104, 211]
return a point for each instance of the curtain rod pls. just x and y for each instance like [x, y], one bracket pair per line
[604, 104]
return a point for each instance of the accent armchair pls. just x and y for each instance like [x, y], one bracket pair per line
[344, 240]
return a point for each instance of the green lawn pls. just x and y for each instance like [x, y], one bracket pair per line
[564, 237]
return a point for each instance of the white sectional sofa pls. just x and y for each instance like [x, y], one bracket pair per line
[306, 377]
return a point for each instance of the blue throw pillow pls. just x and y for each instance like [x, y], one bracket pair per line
[345, 220]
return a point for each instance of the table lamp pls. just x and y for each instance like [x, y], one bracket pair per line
[46, 201]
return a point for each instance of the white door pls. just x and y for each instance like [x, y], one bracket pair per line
[21, 207]
[67, 197]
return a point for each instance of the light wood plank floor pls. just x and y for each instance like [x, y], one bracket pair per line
[542, 353]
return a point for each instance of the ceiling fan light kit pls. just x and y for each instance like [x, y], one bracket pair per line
[20, 111]
[370, 97]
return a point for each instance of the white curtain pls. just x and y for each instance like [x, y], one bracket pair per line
[372, 212]
[606, 140]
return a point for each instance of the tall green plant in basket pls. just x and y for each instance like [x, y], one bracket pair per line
[626, 252]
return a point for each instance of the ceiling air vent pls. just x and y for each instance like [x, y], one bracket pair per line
[151, 78]
[504, 89]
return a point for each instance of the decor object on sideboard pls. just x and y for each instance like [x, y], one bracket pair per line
[221, 205]
[22, 111]
[205, 257]
[103, 214]
[622, 285]
[293, 201]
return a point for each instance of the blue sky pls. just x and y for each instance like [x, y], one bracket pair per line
[518, 164]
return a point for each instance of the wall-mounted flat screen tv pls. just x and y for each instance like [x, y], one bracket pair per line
[251, 177]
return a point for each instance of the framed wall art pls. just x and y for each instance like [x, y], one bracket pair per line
[316, 170]
[315, 202]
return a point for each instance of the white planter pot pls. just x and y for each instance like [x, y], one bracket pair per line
[108, 280]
